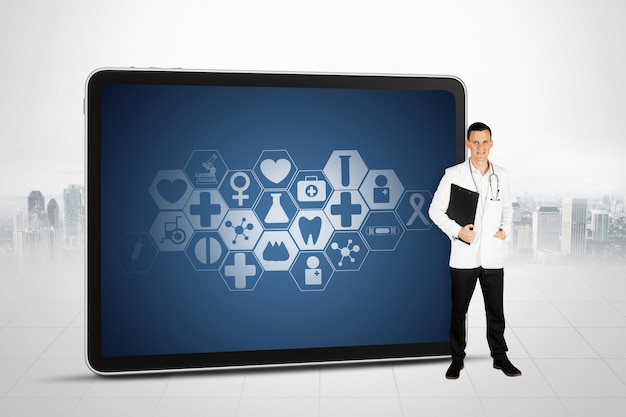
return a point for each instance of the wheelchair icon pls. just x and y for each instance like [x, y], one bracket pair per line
[173, 233]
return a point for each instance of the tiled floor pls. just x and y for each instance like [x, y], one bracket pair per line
[566, 332]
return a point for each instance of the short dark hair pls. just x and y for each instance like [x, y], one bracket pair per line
[477, 127]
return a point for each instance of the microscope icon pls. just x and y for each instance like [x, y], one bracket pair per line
[209, 177]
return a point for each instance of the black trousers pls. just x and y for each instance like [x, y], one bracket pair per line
[492, 286]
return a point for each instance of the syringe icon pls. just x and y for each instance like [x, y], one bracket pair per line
[345, 170]
[136, 251]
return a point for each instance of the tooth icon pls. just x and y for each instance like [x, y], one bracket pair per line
[310, 229]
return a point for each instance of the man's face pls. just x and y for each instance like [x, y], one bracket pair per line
[479, 144]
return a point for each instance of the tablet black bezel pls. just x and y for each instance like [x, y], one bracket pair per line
[118, 365]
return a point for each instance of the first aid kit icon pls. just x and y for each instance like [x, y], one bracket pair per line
[311, 189]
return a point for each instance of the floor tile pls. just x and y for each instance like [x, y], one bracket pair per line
[53, 378]
[523, 407]
[11, 372]
[581, 378]
[619, 367]
[69, 344]
[59, 314]
[442, 407]
[490, 382]
[205, 385]
[585, 407]
[288, 407]
[26, 342]
[283, 383]
[29, 407]
[555, 342]
[534, 314]
[358, 381]
[9, 310]
[608, 342]
[141, 386]
[583, 314]
[197, 407]
[362, 407]
[94, 407]
[566, 290]
[427, 379]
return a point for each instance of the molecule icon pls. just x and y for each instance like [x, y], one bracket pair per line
[346, 251]
[240, 230]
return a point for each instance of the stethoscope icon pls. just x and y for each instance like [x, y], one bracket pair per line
[494, 196]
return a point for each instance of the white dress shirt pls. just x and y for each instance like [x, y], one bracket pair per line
[494, 212]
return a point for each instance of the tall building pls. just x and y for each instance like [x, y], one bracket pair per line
[36, 210]
[573, 226]
[74, 216]
[546, 229]
[54, 218]
[599, 225]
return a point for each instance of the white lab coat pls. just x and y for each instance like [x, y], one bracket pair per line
[486, 251]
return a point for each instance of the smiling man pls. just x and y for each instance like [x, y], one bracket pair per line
[477, 249]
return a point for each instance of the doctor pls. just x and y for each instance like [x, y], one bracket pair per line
[477, 250]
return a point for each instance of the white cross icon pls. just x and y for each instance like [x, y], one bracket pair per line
[240, 270]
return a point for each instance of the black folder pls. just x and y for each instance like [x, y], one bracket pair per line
[462, 205]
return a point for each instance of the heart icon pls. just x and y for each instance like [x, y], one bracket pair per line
[275, 171]
[172, 190]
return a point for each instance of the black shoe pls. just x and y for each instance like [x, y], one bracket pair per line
[506, 366]
[455, 369]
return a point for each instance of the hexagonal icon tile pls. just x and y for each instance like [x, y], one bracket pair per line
[346, 251]
[311, 271]
[206, 251]
[382, 230]
[311, 229]
[205, 168]
[275, 169]
[241, 271]
[171, 231]
[170, 189]
[345, 170]
[205, 209]
[381, 189]
[276, 209]
[310, 189]
[413, 210]
[276, 250]
[136, 252]
[240, 189]
[346, 210]
[240, 230]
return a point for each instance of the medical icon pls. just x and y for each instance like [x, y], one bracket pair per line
[412, 210]
[136, 252]
[170, 189]
[381, 193]
[208, 177]
[173, 233]
[382, 230]
[240, 230]
[171, 230]
[241, 271]
[276, 213]
[206, 251]
[205, 168]
[311, 189]
[310, 229]
[346, 251]
[275, 169]
[346, 209]
[205, 209]
[276, 250]
[312, 274]
[239, 189]
[381, 189]
[345, 170]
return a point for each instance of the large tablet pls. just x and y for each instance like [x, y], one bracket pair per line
[247, 219]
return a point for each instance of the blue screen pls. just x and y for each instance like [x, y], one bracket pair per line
[261, 218]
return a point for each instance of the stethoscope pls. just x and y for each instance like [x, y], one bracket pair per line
[492, 176]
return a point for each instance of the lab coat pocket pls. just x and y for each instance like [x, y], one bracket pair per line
[494, 252]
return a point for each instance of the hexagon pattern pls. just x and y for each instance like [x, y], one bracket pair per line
[273, 217]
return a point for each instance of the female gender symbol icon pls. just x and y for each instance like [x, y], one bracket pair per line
[240, 196]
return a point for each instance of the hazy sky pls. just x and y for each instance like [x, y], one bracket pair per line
[546, 75]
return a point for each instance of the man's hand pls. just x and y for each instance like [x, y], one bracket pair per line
[467, 233]
[500, 234]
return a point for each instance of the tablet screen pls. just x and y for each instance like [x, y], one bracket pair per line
[239, 219]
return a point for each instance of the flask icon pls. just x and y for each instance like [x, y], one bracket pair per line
[276, 213]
